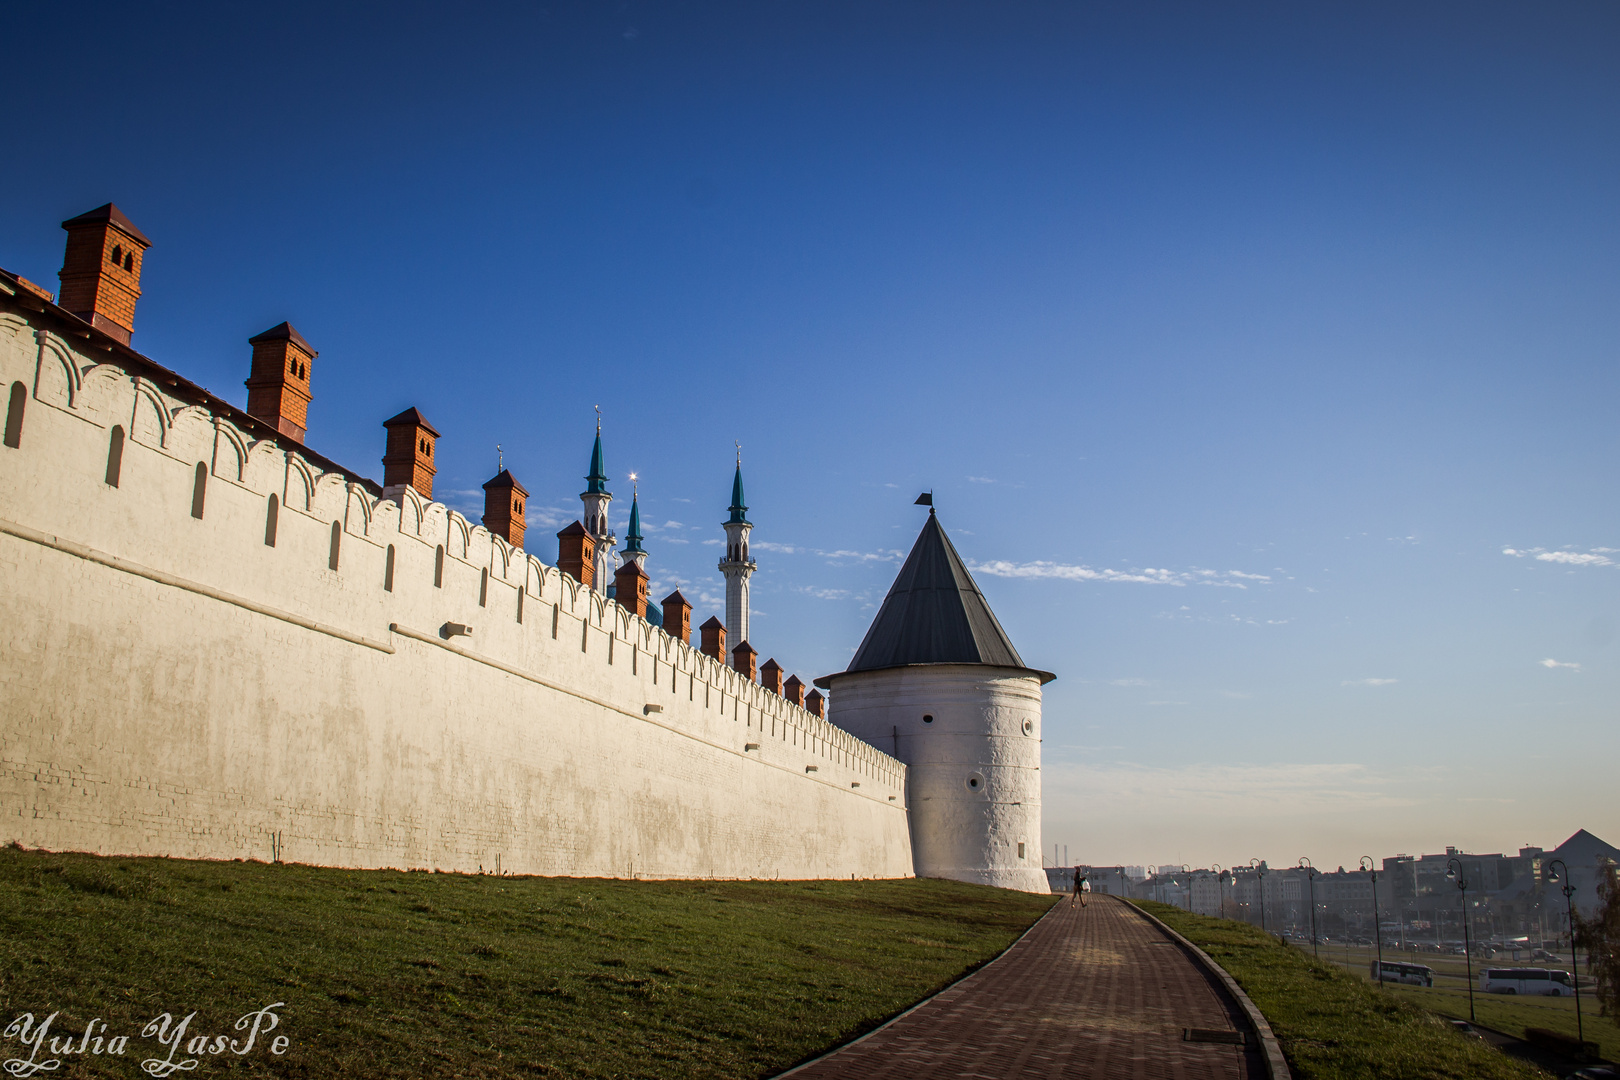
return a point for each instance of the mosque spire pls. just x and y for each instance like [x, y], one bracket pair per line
[597, 480]
[633, 551]
[738, 507]
[596, 499]
[737, 566]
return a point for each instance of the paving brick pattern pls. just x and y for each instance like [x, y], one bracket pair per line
[1090, 992]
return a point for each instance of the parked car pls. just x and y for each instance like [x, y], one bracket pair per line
[1536, 981]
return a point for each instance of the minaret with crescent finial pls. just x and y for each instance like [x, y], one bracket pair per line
[633, 551]
[737, 566]
[596, 500]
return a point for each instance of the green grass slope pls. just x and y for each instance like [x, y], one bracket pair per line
[412, 974]
[1332, 1025]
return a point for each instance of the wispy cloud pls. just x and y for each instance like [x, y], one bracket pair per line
[540, 516]
[980, 480]
[1567, 665]
[891, 555]
[1566, 556]
[1369, 682]
[1129, 682]
[783, 549]
[823, 594]
[1147, 575]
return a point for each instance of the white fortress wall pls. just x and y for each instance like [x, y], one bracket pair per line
[971, 737]
[175, 686]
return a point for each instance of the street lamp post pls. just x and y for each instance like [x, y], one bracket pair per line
[1259, 867]
[1574, 957]
[1220, 894]
[1310, 883]
[1378, 931]
[1454, 871]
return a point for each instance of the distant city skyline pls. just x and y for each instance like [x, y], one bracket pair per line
[1262, 362]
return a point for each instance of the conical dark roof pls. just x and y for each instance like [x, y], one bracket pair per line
[935, 614]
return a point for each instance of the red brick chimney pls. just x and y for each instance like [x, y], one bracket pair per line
[714, 639]
[630, 588]
[770, 676]
[503, 507]
[408, 457]
[677, 617]
[576, 554]
[278, 382]
[742, 660]
[793, 690]
[101, 272]
[814, 704]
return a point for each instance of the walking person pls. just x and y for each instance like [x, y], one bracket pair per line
[1079, 895]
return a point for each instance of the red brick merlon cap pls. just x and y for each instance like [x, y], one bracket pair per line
[502, 479]
[108, 213]
[285, 332]
[411, 417]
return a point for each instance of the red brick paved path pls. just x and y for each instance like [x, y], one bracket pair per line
[1088, 993]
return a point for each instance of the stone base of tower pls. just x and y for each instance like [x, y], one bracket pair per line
[1024, 879]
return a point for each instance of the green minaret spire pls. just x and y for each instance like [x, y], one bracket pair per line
[632, 544]
[738, 508]
[597, 480]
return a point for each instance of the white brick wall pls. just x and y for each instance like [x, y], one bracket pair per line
[175, 686]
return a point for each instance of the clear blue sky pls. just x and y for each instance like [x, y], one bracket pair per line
[1238, 342]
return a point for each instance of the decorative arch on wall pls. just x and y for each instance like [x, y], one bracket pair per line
[191, 435]
[357, 510]
[300, 491]
[154, 419]
[57, 377]
[500, 559]
[534, 576]
[331, 496]
[457, 532]
[412, 511]
[385, 516]
[228, 438]
[266, 468]
[104, 393]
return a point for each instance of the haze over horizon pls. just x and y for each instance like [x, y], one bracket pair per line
[1261, 358]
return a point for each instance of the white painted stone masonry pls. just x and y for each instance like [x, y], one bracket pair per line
[175, 686]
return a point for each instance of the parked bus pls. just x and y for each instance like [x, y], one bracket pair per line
[1410, 974]
[1537, 981]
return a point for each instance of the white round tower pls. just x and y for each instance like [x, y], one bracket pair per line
[938, 685]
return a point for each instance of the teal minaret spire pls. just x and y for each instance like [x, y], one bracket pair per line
[596, 499]
[738, 508]
[737, 566]
[597, 481]
[633, 551]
